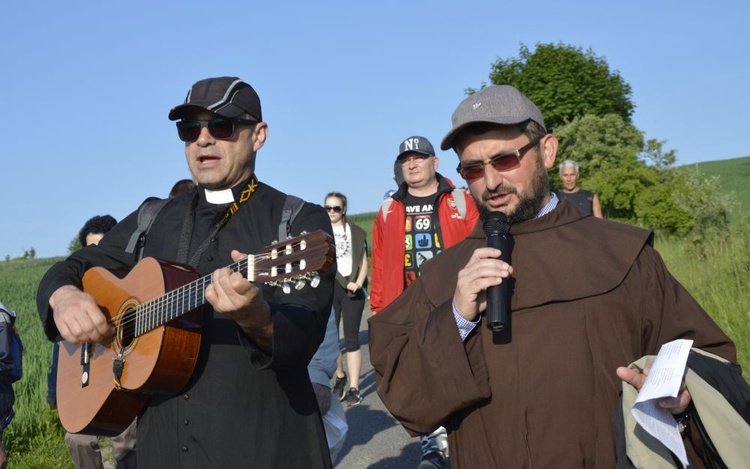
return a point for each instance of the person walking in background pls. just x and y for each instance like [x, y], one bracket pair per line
[95, 228]
[180, 187]
[348, 294]
[425, 216]
[586, 296]
[8, 375]
[398, 178]
[583, 200]
[321, 369]
[247, 398]
[85, 450]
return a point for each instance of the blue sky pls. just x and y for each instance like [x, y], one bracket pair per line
[88, 86]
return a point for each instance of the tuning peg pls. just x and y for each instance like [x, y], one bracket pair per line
[286, 288]
[315, 281]
[299, 284]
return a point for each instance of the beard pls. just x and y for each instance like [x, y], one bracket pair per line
[529, 203]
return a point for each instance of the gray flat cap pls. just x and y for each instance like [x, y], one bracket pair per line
[501, 104]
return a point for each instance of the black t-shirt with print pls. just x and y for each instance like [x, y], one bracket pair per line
[422, 240]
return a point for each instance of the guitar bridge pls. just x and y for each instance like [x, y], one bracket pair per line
[85, 363]
[118, 365]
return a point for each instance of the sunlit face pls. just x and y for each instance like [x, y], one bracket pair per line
[520, 192]
[569, 178]
[335, 208]
[222, 164]
[419, 169]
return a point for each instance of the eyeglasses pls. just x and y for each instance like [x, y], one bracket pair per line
[418, 157]
[220, 128]
[333, 209]
[502, 162]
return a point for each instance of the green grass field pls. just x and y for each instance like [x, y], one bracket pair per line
[716, 273]
[734, 176]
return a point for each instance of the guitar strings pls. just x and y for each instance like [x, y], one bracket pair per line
[158, 311]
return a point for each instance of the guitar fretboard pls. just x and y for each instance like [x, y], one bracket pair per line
[296, 259]
[159, 311]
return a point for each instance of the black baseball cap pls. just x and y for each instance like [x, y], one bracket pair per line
[226, 96]
[415, 144]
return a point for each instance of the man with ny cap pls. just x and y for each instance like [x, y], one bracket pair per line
[586, 298]
[249, 400]
[419, 222]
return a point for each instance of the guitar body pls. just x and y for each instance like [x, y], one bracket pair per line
[156, 311]
[161, 360]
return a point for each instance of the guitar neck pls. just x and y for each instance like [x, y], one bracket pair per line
[159, 311]
[294, 260]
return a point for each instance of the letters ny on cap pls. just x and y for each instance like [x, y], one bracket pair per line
[416, 144]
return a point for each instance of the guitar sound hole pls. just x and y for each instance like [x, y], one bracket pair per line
[127, 328]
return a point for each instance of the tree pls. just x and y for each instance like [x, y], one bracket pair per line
[613, 159]
[686, 203]
[607, 150]
[74, 245]
[590, 108]
[565, 82]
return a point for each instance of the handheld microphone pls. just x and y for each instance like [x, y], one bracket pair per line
[496, 229]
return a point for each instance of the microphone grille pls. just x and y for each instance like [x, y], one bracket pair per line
[495, 223]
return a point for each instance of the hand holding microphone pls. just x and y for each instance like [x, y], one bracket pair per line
[496, 228]
[476, 286]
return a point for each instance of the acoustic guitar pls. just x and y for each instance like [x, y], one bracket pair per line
[155, 308]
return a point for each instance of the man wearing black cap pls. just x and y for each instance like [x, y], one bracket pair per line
[421, 220]
[248, 401]
[585, 295]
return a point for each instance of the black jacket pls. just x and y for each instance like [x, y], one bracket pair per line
[242, 405]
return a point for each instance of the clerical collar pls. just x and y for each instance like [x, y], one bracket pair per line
[219, 197]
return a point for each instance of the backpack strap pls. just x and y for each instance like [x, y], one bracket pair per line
[146, 215]
[459, 196]
[292, 206]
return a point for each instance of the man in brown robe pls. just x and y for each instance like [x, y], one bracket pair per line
[587, 296]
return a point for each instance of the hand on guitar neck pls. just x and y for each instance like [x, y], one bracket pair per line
[79, 319]
[234, 297]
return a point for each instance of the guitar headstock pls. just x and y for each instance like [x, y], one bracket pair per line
[293, 261]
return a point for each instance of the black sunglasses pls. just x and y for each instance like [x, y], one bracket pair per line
[220, 128]
[502, 162]
[333, 209]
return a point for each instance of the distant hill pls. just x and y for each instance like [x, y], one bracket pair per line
[734, 175]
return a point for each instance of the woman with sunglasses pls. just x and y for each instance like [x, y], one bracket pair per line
[348, 293]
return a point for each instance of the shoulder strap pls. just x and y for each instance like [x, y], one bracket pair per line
[292, 206]
[459, 196]
[386, 205]
[146, 215]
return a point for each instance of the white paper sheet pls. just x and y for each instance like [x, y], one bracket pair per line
[664, 380]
